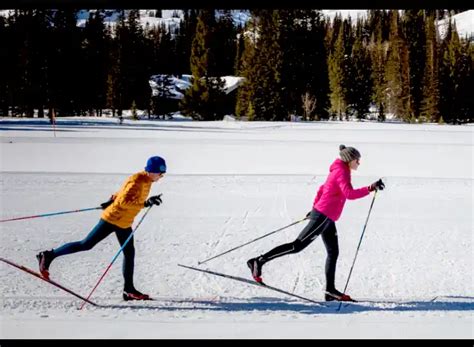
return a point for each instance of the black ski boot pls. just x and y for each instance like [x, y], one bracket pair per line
[256, 267]
[44, 260]
[134, 295]
[334, 294]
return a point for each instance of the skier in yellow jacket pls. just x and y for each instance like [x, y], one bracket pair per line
[119, 213]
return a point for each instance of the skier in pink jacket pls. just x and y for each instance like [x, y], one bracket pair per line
[327, 209]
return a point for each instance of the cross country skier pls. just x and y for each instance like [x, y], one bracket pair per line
[327, 208]
[117, 217]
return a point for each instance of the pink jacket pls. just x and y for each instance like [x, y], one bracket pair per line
[333, 193]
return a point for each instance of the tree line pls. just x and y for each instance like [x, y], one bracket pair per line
[294, 62]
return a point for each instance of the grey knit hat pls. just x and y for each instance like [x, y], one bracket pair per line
[348, 153]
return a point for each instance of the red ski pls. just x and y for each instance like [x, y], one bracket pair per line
[36, 274]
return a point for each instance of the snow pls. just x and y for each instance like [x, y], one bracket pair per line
[464, 24]
[230, 182]
[178, 85]
[171, 18]
[464, 20]
[354, 14]
[147, 17]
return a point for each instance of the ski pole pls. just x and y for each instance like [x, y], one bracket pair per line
[258, 238]
[50, 214]
[115, 257]
[357, 250]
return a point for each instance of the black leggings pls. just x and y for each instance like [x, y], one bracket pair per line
[319, 224]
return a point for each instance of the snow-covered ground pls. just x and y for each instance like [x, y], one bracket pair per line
[228, 183]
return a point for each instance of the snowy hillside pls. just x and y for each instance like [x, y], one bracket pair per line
[178, 85]
[229, 183]
[464, 24]
[171, 18]
[354, 14]
[464, 20]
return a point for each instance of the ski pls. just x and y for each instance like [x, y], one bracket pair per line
[245, 280]
[36, 274]
[388, 301]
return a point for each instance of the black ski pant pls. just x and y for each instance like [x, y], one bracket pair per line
[319, 224]
[100, 232]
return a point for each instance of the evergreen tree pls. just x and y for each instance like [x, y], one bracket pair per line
[456, 81]
[133, 109]
[6, 65]
[65, 58]
[225, 45]
[162, 102]
[449, 55]
[316, 63]
[136, 63]
[247, 70]
[293, 34]
[240, 46]
[116, 78]
[415, 35]
[268, 97]
[30, 31]
[161, 47]
[359, 73]
[261, 95]
[378, 59]
[466, 73]
[336, 76]
[110, 101]
[203, 100]
[304, 64]
[397, 71]
[465, 68]
[114, 86]
[95, 47]
[348, 36]
[184, 40]
[430, 101]
[333, 32]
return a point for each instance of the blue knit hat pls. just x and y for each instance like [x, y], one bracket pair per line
[156, 165]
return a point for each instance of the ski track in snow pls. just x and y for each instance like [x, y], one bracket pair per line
[162, 304]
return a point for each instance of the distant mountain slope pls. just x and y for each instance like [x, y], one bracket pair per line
[171, 18]
[464, 24]
[178, 85]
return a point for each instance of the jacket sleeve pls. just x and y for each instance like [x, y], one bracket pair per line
[130, 195]
[318, 195]
[344, 182]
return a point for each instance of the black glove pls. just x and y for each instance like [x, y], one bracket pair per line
[153, 200]
[379, 185]
[308, 214]
[106, 204]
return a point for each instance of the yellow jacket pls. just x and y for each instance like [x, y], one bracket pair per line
[128, 201]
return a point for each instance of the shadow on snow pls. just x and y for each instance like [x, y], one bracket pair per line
[268, 304]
